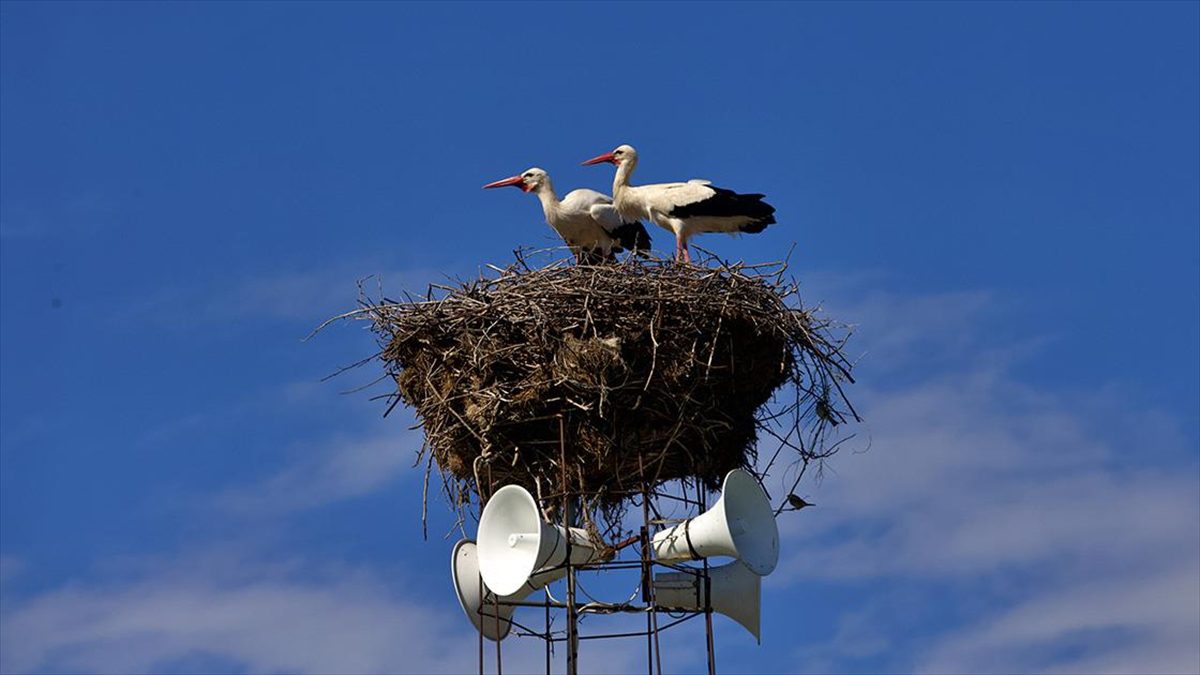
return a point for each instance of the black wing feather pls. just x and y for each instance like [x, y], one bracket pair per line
[632, 236]
[729, 204]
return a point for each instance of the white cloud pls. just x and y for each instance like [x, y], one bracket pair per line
[1142, 622]
[1072, 522]
[305, 296]
[355, 624]
[340, 468]
[256, 616]
[1060, 529]
[264, 618]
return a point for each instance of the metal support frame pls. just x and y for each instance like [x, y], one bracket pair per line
[646, 564]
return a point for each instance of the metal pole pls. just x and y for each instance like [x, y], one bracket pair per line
[483, 598]
[708, 627]
[647, 574]
[647, 581]
[572, 616]
[546, 597]
[496, 610]
[480, 578]
[572, 623]
[653, 654]
[653, 600]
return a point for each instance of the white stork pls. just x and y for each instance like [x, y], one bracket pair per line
[684, 208]
[586, 220]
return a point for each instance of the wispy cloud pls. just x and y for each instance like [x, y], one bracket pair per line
[302, 296]
[236, 613]
[264, 618]
[994, 526]
[1079, 547]
[1144, 620]
[342, 467]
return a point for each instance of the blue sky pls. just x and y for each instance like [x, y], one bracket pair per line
[1002, 197]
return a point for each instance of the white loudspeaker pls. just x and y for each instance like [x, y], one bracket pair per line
[514, 541]
[741, 524]
[736, 593]
[494, 621]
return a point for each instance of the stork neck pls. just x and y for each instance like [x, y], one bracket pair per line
[549, 200]
[621, 179]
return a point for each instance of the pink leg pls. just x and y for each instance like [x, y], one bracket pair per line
[687, 256]
[678, 248]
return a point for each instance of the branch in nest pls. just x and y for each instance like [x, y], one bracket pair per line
[660, 371]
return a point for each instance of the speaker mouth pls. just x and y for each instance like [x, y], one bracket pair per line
[514, 541]
[751, 522]
[736, 593]
[510, 539]
[474, 598]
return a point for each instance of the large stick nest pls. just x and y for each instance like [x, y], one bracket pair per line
[650, 371]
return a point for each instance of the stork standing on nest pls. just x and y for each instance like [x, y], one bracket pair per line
[684, 208]
[585, 219]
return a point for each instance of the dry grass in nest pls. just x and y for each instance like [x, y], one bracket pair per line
[655, 370]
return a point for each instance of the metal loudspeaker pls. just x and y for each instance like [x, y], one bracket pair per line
[741, 524]
[494, 621]
[736, 593]
[514, 541]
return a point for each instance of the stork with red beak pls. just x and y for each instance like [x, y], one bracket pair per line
[585, 219]
[684, 208]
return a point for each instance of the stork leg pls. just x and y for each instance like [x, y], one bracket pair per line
[687, 256]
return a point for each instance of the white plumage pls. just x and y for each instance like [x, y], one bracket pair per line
[686, 208]
[586, 220]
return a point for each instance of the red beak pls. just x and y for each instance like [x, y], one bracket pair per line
[606, 157]
[515, 180]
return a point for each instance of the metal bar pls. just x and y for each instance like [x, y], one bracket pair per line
[483, 597]
[603, 565]
[605, 636]
[572, 618]
[646, 583]
[690, 615]
[496, 612]
[601, 608]
[526, 631]
[708, 611]
[546, 598]
[652, 621]
[480, 632]
[708, 627]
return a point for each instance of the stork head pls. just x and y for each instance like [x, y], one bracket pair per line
[531, 180]
[623, 154]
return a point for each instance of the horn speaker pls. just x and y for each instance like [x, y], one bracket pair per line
[514, 541]
[736, 593]
[493, 620]
[741, 524]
